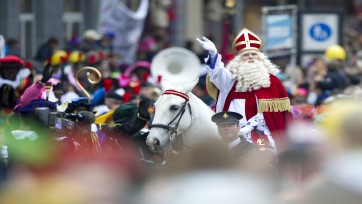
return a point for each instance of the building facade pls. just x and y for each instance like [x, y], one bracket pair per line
[32, 22]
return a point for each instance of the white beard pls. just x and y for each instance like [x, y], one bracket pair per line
[249, 76]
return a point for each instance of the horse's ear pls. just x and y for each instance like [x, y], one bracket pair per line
[165, 84]
[188, 87]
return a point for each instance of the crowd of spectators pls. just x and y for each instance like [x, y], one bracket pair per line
[98, 152]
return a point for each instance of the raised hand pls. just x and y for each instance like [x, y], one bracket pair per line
[143, 109]
[208, 45]
[47, 73]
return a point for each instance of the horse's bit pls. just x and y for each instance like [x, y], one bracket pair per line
[172, 130]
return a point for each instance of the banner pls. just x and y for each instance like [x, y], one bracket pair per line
[279, 32]
[127, 25]
[280, 37]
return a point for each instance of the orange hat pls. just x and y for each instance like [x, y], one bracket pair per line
[246, 40]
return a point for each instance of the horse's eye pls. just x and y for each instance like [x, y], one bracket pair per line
[174, 107]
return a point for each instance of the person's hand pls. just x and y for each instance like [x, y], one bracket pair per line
[208, 45]
[143, 109]
[47, 73]
[245, 130]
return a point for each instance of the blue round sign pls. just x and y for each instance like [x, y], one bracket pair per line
[320, 32]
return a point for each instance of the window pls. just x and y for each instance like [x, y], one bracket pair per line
[73, 24]
[26, 6]
[72, 5]
[73, 18]
[27, 29]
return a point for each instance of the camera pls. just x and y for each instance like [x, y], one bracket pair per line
[62, 120]
[58, 120]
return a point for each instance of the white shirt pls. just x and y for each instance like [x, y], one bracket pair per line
[234, 143]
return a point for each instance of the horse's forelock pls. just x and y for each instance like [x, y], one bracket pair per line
[165, 101]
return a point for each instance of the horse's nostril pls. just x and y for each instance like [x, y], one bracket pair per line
[156, 141]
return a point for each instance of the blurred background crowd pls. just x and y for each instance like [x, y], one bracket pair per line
[70, 134]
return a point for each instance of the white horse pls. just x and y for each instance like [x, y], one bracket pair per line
[180, 116]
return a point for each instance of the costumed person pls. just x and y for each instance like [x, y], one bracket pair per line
[129, 112]
[78, 104]
[14, 79]
[47, 88]
[248, 85]
[128, 121]
[59, 61]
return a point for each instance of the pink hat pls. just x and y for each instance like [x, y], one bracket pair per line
[123, 80]
[138, 64]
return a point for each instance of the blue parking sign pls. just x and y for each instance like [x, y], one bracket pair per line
[320, 32]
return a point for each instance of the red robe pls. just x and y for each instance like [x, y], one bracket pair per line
[273, 102]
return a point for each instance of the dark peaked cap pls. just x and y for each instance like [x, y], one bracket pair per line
[125, 113]
[226, 117]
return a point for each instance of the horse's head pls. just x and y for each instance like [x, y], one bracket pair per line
[172, 116]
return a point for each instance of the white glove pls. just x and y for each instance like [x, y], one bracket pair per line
[208, 45]
[245, 130]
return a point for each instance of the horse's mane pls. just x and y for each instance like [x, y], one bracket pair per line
[200, 103]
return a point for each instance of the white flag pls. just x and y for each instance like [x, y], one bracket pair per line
[126, 24]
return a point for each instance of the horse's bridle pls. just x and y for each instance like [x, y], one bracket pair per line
[172, 130]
